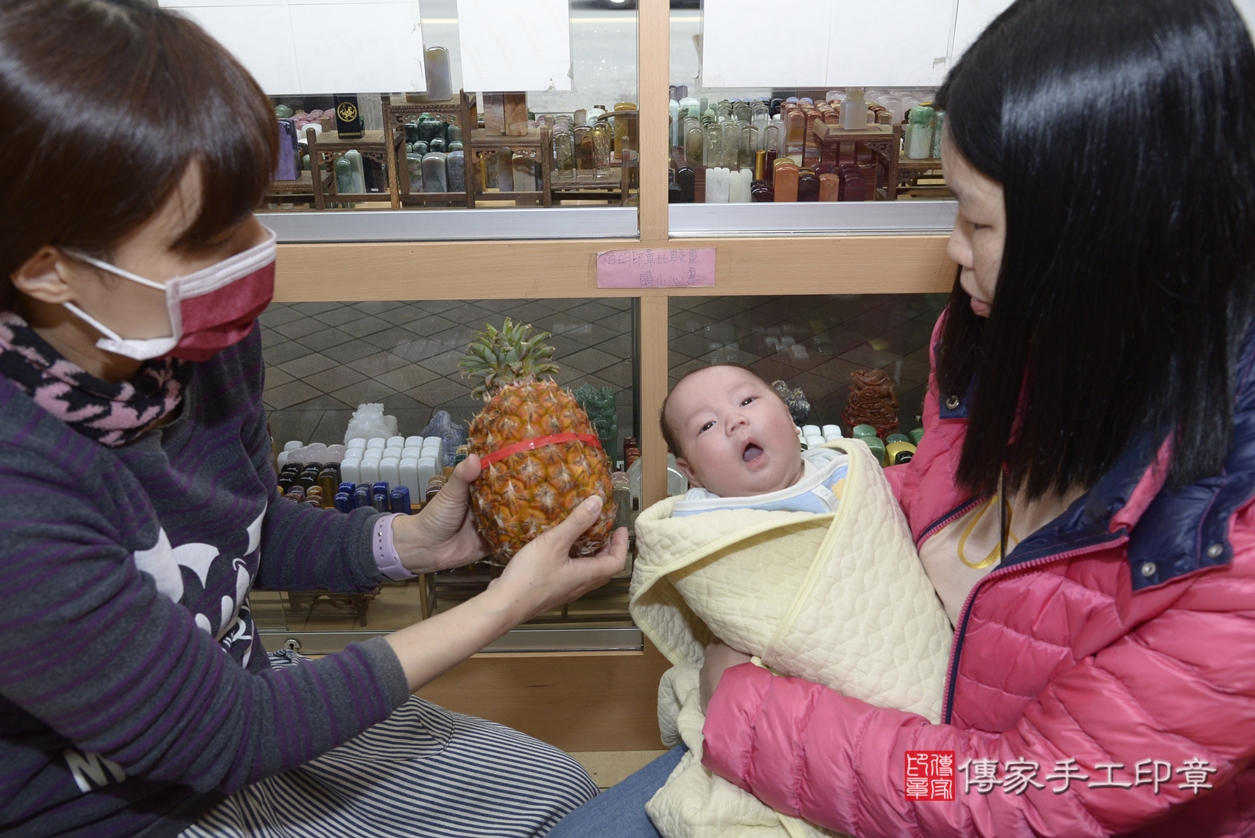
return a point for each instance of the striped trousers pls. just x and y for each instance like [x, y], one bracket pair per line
[422, 772]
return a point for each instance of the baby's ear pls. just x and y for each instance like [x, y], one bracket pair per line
[687, 471]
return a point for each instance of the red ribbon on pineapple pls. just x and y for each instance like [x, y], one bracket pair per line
[536, 442]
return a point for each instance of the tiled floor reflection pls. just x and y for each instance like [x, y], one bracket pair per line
[812, 342]
[324, 359]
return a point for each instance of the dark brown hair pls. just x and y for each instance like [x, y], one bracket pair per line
[673, 445]
[107, 103]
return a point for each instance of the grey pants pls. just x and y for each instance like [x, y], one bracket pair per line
[424, 771]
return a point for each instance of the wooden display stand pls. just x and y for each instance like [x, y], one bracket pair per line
[326, 148]
[905, 174]
[883, 141]
[460, 112]
[300, 190]
[535, 144]
[589, 187]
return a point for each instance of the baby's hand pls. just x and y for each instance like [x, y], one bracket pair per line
[719, 656]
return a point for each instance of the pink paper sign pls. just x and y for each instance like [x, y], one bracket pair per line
[651, 267]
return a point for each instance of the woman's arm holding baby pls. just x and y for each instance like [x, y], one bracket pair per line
[719, 656]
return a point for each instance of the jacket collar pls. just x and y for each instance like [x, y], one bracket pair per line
[1178, 532]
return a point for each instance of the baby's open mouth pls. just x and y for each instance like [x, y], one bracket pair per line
[751, 452]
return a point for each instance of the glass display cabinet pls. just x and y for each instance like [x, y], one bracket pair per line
[374, 301]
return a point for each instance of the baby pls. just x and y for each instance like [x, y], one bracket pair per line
[801, 559]
[733, 438]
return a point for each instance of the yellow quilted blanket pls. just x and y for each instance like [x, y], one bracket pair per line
[839, 599]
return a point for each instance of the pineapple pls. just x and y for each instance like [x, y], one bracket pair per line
[522, 494]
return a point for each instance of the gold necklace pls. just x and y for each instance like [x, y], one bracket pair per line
[1004, 523]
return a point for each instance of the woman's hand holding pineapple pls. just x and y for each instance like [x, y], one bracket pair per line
[443, 534]
[542, 575]
[543, 458]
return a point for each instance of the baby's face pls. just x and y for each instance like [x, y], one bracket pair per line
[735, 434]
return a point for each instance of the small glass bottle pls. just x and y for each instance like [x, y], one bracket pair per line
[771, 138]
[795, 133]
[731, 144]
[712, 146]
[582, 139]
[694, 143]
[625, 138]
[602, 139]
[621, 486]
[524, 173]
[810, 152]
[563, 156]
[749, 145]
[854, 110]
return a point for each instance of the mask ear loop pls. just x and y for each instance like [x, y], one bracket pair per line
[114, 269]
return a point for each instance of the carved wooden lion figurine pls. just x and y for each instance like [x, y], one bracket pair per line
[872, 402]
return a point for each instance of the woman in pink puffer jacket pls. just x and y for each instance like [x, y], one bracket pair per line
[1102, 678]
[1082, 495]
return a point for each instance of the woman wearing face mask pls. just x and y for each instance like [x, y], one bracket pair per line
[1082, 497]
[140, 503]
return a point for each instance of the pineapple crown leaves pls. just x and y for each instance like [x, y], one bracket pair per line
[498, 357]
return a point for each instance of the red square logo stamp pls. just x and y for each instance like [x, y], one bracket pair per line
[929, 775]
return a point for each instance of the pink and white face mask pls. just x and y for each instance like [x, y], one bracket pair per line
[209, 310]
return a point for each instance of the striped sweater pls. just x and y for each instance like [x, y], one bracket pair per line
[134, 693]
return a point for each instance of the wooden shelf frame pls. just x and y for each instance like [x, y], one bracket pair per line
[887, 264]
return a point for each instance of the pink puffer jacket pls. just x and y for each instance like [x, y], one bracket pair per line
[1113, 647]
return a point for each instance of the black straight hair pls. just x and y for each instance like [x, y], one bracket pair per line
[108, 102]
[1121, 134]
